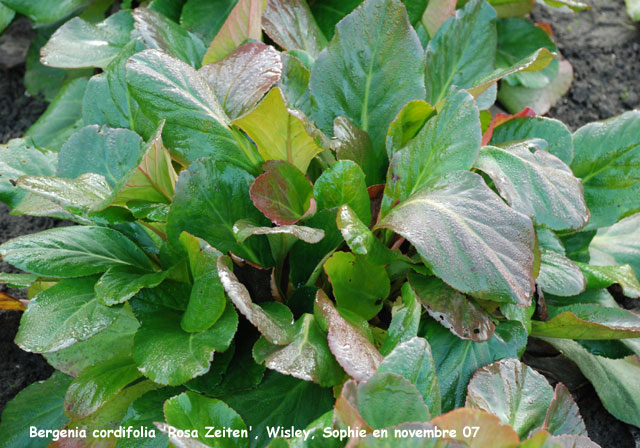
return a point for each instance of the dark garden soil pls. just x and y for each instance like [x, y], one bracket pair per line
[604, 47]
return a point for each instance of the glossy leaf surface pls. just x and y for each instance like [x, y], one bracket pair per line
[497, 259]
[536, 183]
[286, 138]
[606, 161]
[62, 315]
[242, 78]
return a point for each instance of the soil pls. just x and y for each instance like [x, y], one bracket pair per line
[604, 47]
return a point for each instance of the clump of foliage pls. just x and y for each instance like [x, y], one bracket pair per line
[329, 231]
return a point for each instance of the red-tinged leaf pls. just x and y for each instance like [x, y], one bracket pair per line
[346, 408]
[353, 351]
[283, 193]
[563, 415]
[8, 302]
[243, 23]
[291, 25]
[513, 391]
[500, 119]
[452, 309]
[546, 27]
[437, 12]
[243, 77]
[487, 429]
[542, 439]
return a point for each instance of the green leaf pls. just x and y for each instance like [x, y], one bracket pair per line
[563, 414]
[388, 399]
[80, 44]
[6, 16]
[617, 244]
[633, 9]
[119, 284]
[112, 153]
[161, 33]
[412, 360]
[99, 384]
[107, 100]
[572, 4]
[361, 240]
[73, 252]
[242, 374]
[536, 183]
[114, 342]
[329, 12]
[155, 178]
[286, 138]
[604, 276]
[17, 281]
[377, 50]
[168, 8]
[191, 411]
[62, 117]
[206, 18]
[449, 141]
[242, 78]
[517, 39]
[43, 81]
[306, 357]
[39, 404]
[615, 380]
[291, 25]
[554, 132]
[344, 184]
[17, 158]
[242, 24]
[283, 194]
[108, 417]
[196, 126]
[404, 322]
[87, 193]
[207, 300]
[516, 98]
[167, 354]
[457, 359]
[41, 11]
[145, 410]
[475, 243]
[463, 50]
[452, 309]
[407, 124]
[307, 260]
[606, 160]
[273, 319]
[352, 143]
[210, 198]
[512, 8]
[559, 275]
[294, 84]
[513, 391]
[280, 400]
[353, 351]
[358, 285]
[535, 62]
[588, 321]
[62, 315]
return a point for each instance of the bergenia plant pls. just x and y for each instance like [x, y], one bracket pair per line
[326, 231]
